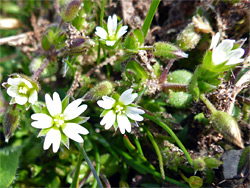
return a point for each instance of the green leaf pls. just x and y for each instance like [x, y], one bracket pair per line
[131, 43]
[150, 16]
[9, 162]
[135, 72]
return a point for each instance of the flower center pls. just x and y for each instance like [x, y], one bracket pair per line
[23, 90]
[119, 110]
[59, 120]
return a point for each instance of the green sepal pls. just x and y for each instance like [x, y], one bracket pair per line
[212, 162]
[38, 106]
[209, 65]
[43, 132]
[116, 96]
[65, 102]
[135, 72]
[207, 60]
[65, 140]
[104, 112]
[116, 124]
[79, 120]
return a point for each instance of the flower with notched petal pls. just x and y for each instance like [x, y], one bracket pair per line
[60, 121]
[119, 111]
[23, 90]
[113, 31]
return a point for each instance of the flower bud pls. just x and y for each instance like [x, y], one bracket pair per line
[228, 127]
[195, 182]
[10, 121]
[168, 50]
[102, 89]
[199, 164]
[78, 46]
[212, 162]
[188, 38]
[70, 9]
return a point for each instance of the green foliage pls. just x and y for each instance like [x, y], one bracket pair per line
[8, 166]
[135, 72]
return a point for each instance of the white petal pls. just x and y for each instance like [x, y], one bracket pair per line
[135, 117]
[106, 103]
[53, 137]
[108, 120]
[72, 130]
[33, 97]
[100, 32]
[238, 53]
[27, 83]
[54, 106]
[127, 98]
[114, 23]
[133, 113]
[122, 31]
[43, 121]
[13, 91]
[110, 43]
[110, 25]
[123, 123]
[73, 110]
[21, 99]
[233, 61]
[13, 81]
[215, 40]
[225, 46]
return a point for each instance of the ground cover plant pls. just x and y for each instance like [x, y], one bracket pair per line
[105, 93]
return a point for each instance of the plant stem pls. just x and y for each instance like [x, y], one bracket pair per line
[158, 153]
[149, 17]
[85, 156]
[39, 71]
[138, 145]
[174, 87]
[172, 134]
[75, 182]
[209, 105]
[98, 165]
[146, 48]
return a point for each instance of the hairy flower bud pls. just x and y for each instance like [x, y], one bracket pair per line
[168, 51]
[102, 89]
[79, 46]
[10, 121]
[188, 38]
[228, 127]
[70, 9]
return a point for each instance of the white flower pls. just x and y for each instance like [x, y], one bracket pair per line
[22, 89]
[60, 122]
[224, 52]
[118, 112]
[113, 33]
